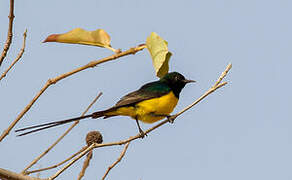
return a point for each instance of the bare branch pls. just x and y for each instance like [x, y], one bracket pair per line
[17, 58]
[58, 140]
[9, 33]
[56, 165]
[95, 145]
[85, 165]
[117, 161]
[9, 175]
[65, 75]
[224, 73]
[216, 86]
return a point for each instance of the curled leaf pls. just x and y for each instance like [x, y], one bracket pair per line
[159, 53]
[80, 36]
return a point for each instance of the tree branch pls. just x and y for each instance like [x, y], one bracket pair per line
[9, 175]
[56, 165]
[85, 165]
[216, 86]
[117, 161]
[9, 33]
[58, 140]
[17, 58]
[65, 75]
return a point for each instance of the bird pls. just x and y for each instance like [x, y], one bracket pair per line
[152, 102]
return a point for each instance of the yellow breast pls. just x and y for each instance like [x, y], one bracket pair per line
[147, 111]
[163, 105]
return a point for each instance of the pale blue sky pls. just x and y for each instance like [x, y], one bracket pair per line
[242, 131]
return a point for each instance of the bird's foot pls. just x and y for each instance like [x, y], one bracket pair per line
[171, 118]
[142, 133]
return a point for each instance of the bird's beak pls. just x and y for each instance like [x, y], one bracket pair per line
[189, 81]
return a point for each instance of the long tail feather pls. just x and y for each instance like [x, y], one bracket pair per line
[36, 130]
[49, 125]
[40, 127]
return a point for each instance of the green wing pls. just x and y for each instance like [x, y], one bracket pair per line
[148, 91]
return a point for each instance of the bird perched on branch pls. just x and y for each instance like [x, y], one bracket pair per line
[151, 103]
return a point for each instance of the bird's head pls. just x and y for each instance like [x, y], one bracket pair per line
[175, 81]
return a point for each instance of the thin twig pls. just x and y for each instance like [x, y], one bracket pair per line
[17, 58]
[223, 74]
[65, 75]
[85, 165]
[117, 161]
[95, 145]
[61, 137]
[216, 86]
[9, 33]
[56, 165]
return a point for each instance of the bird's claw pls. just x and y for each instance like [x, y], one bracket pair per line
[170, 119]
[142, 133]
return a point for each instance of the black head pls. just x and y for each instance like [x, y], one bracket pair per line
[175, 81]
